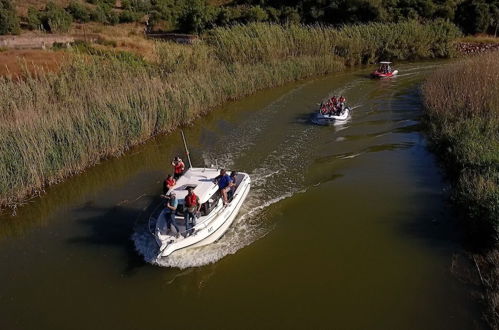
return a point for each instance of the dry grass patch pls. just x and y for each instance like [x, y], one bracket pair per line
[124, 37]
[16, 63]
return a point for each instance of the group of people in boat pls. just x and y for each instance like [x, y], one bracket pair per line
[334, 106]
[226, 184]
[385, 68]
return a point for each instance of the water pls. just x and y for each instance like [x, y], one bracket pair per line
[346, 227]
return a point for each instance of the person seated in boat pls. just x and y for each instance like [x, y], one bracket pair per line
[171, 205]
[331, 110]
[178, 167]
[191, 209]
[223, 181]
[323, 109]
[385, 69]
[334, 100]
[232, 185]
[168, 183]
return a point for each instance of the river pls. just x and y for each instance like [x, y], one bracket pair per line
[346, 227]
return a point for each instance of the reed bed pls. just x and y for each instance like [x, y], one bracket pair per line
[356, 44]
[55, 125]
[462, 102]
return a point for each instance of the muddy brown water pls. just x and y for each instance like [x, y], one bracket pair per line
[346, 227]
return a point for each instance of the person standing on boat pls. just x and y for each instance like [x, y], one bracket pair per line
[192, 207]
[178, 167]
[223, 181]
[168, 183]
[171, 207]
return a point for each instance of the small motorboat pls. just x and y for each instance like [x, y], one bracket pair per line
[385, 70]
[215, 217]
[336, 117]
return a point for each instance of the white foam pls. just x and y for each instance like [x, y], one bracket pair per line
[249, 227]
[350, 156]
[279, 176]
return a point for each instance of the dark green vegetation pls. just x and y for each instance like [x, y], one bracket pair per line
[195, 16]
[9, 22]
[52, 127]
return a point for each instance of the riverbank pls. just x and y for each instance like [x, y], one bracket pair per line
[462, 102]
[56, 125]
[471, 46]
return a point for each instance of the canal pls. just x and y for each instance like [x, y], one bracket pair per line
[346, 226]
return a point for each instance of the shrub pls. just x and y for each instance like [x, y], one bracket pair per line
[78, 11]
[98, 15]
[128, 16]
[198, 17]
[290, 15]
[112, 17]
[255, 14]
[9, 22]
[55, 18]
[33, 19]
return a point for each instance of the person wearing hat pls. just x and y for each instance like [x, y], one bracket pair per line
[171, 207]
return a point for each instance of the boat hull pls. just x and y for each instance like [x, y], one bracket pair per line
[377, 74]
[344, 116]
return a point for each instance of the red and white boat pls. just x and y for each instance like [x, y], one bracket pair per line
[385, 70]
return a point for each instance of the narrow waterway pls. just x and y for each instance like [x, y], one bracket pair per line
[346, 227]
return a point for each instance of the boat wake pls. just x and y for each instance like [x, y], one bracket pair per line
[278, 177]
[248, 227]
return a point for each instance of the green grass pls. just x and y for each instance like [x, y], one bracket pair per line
[55, 125]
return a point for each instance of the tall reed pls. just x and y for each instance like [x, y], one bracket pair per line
[462, 102]
[56, 125]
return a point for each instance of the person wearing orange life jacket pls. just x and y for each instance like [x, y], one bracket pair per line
[191, 208]
[341, 103]
[334, 101]
[168, 183]
[178, 167]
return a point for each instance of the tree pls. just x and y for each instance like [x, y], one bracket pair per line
[198, 16]
[9, 22]
[473, 16]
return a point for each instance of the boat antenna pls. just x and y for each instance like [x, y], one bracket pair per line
[186, 150]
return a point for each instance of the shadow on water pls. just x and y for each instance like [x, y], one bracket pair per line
[114, 227]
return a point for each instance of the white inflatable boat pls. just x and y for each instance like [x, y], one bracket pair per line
[334, 117]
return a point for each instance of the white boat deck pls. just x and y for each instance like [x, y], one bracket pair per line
[201, 179]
